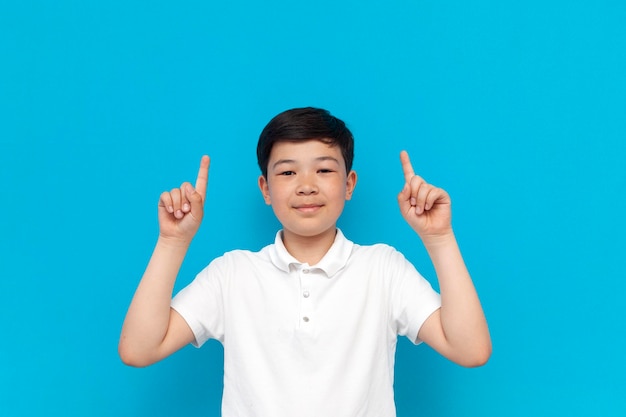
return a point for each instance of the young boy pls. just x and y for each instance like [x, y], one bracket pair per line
[309, 324]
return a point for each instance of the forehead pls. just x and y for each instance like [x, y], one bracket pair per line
[304, 150]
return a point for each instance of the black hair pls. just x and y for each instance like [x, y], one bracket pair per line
[303, 124]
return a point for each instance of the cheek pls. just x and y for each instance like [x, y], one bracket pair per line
[276, 194]
[340, 190]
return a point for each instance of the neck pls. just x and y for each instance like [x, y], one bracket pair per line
[309, 249]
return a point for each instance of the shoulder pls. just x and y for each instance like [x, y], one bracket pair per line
[242, 257]
[376, 251]
[379, 257]
[234, 261]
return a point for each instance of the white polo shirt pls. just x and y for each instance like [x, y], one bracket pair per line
[308, 340]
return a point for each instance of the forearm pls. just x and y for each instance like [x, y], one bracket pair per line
[148, 316]
[462, 318]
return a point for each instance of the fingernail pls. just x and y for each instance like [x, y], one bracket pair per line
[413, 201]
[179, 214]
[186, 207]
[170, 209]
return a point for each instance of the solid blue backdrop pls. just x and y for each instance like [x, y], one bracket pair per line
[517, 109]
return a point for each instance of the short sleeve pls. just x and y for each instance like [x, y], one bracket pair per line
[201, 303]
[413, 299]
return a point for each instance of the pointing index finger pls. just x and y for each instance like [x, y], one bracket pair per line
[407, 168]
[203, 176]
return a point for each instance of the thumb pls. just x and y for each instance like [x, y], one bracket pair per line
[195, 199]
[404, 199]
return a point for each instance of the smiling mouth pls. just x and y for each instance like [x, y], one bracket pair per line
[308, 208]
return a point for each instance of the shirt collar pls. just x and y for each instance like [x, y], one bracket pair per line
[334, 260]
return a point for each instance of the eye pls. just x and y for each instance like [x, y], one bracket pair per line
[287, 173]
[325, 171]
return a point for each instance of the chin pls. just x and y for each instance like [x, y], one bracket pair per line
[310, 232]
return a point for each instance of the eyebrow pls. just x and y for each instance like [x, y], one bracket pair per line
[293, 161]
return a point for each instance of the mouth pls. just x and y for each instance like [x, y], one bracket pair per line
[308, 208]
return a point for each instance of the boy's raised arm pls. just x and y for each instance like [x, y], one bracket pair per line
[458, 330]
[152, 330]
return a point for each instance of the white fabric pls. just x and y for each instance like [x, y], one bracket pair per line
[304, 340]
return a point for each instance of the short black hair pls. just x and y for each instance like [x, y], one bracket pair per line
[301, 124]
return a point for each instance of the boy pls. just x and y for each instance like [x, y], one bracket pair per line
[309, 324]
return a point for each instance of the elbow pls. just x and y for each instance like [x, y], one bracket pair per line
[476, 361]
[130, 357]
[479, 357]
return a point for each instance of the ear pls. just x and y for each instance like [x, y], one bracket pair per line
[350, 184]
[265, 190]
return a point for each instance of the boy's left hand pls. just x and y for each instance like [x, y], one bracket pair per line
[425, 207]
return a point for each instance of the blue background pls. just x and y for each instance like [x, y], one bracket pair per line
[518, 109]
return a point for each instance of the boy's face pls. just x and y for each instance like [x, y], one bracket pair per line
[307, 186]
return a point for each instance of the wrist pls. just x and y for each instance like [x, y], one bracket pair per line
[439, 240]
[172, 243]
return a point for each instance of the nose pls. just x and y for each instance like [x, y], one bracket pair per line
[307, 185]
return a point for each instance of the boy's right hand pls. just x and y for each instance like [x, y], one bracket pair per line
[181, 209]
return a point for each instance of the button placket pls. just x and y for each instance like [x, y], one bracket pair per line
[306, 304]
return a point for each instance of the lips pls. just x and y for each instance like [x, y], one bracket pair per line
[308, 208]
